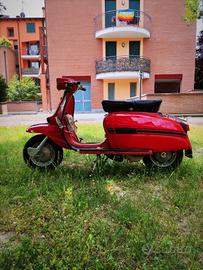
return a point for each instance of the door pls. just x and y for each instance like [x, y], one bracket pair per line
[83, 98]
[135, 4]
[111, 49]
[110, 13]
[134, 48]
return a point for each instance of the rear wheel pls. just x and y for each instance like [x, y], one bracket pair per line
[49, 156]
[164, 160]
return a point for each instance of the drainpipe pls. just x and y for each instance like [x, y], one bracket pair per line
[5, 66]
[19, 50]
[49, 91]
[140, 78]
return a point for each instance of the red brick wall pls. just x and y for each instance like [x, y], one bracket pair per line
[10, 62]
[72, 46]
[185, 103]
[171, 45]
[17, 107]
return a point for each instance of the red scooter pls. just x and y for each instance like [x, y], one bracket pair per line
[134, 130]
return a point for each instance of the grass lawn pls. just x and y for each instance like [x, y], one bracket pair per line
[124, 217]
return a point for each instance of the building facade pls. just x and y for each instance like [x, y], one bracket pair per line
[28, 36]
[24, 34]
[117, 48]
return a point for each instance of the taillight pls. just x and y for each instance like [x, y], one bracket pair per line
[185, 127]
[188, 127]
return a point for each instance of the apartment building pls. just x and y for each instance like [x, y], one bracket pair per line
[24, 34]
[28, 36]
[117, 48]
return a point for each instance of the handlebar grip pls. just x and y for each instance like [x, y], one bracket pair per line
[81, 88]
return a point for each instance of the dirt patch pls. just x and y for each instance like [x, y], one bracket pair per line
[115, 189]
[199, 151]
[8, 237]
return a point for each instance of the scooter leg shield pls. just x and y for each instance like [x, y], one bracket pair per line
[52, 131]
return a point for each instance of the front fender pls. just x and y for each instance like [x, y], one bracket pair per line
[50, 130]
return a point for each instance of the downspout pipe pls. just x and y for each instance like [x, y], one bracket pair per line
[19, 50]
[5, 67]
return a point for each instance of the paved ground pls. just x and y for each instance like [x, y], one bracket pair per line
[30, 119]
[196, 121]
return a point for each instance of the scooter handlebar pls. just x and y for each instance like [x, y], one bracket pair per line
[81, 88]
[68, 85]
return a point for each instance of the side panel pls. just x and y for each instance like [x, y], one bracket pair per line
[145, 131]
[69, 107]
[52, 131]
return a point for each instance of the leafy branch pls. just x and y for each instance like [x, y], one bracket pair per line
[194, 11]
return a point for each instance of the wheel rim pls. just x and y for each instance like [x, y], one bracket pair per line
[163, 159]
[45, 156]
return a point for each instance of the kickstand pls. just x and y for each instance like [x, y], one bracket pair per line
[94, 166]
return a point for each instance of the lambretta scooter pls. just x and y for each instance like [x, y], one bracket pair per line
[134, 130]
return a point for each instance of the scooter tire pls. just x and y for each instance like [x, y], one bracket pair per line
[50, 156]
[163, 160]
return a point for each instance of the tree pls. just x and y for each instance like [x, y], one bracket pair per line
[5, 41]
[3, 89]
[194, 11]
[2, 8]
[23, 90]
[199, 63]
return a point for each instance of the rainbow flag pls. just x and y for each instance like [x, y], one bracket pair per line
[125, 14]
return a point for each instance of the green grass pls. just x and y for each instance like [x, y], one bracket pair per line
[124, 217]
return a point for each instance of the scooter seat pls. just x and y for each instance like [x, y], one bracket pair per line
[131, 105]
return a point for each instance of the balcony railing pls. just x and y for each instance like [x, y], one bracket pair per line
[30, 71]
[113, 19]
[30, 51]
[123, 63]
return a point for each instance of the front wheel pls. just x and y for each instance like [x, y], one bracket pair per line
[163, 160]
[49, 156]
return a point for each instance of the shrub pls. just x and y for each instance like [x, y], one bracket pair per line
[5, 41]
[23, 90]
[3, 89]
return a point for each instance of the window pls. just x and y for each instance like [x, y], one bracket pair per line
[15, 45]
[30, 27]
[132, 89]
[35, 65]
[168, 83]
[33, 49]
[10, 32]
[111, 87]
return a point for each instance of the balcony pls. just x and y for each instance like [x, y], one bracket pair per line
[117, 24]
[123, 67]
[30, 54]
[30, 72]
